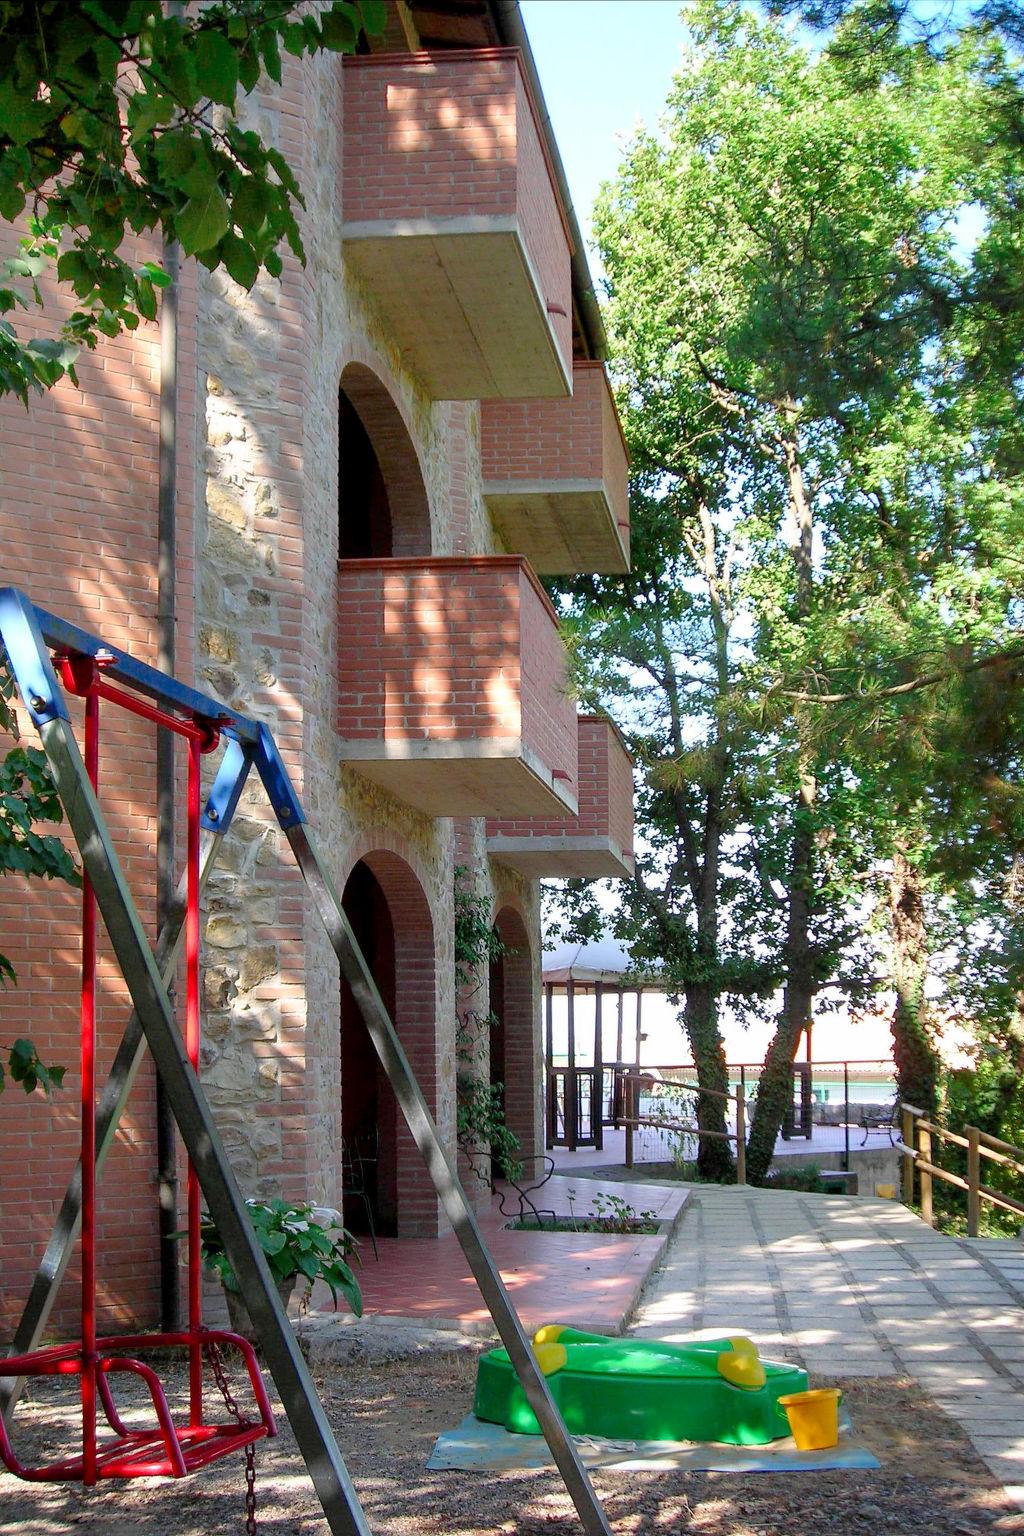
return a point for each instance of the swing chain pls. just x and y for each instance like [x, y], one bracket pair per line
[216, 1362]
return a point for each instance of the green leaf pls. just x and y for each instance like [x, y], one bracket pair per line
[375, 16]
[249, 205]
[216, 66]
[271, 54]
[293, 36]
[203, 221]
[239, 260]
[340, 28]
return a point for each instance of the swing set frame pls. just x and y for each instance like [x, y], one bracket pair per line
[29, 634]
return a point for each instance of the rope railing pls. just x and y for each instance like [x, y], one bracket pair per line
[917, 1131]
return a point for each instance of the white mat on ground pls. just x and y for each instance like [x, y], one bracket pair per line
[479, 1447]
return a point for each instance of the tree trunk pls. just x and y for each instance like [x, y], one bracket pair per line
[700, 1017]
[913, 1034]
[775, 1087]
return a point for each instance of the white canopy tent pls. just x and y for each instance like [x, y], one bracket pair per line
[598, 968]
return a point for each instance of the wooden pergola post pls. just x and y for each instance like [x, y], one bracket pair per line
[549, 1057]
[597, 1094]
[571, 1094]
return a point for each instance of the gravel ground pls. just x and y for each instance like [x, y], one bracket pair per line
[387, 1417]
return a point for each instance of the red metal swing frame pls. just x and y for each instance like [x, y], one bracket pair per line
[171, 1449]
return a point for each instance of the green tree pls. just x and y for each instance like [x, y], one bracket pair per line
[116, 119]
[780, 263]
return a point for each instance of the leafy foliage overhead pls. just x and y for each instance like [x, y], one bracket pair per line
[116, 119]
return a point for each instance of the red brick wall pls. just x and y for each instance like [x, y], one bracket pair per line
[549, 715]
[620, 785]
[78, 531]
[616, 457]
[605, 792]
[545, 232]
[549, 441]
[453, 136]
[430, 137]
[451, 649]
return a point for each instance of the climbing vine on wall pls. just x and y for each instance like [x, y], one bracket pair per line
[479, 1103]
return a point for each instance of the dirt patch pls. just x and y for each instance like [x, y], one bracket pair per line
[388, 1416]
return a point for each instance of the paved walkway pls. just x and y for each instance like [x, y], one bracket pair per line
[856, 1287]
[428, 1279]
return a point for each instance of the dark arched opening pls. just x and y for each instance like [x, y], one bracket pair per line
[391, 921]
[382, 501]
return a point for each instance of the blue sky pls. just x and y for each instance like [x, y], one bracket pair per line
[604, 65]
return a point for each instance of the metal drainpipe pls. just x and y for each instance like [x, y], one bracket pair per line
[509, 23]
[166, 624]
[166, 1131]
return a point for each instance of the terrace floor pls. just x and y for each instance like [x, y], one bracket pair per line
[598, 1277]
[856, 1287]
[651, 1145]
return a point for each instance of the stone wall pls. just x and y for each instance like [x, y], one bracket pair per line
[267, 550]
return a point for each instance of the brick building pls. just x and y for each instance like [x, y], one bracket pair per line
[377, 457]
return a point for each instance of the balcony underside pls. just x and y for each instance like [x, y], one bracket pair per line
[562, 858]
[462, 302]
[562, 527]
[461, 778]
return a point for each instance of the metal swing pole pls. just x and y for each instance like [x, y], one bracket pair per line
[116, 1090]
[88, 1127]
[20, 624]
[446, 1182]
[312, 1431]
[192, 1028]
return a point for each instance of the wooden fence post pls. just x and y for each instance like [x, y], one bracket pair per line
[973, 1180]
[630, 1097]
[907, 1137]
[741, 1136]
[924, 1150]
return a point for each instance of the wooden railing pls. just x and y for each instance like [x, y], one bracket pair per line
[633, 1121]
[916, 1146]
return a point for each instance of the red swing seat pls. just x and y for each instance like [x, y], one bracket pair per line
[169, 1449]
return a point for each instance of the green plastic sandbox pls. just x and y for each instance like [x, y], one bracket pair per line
[639, 1389]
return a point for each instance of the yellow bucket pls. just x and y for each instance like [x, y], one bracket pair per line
[813, 1418]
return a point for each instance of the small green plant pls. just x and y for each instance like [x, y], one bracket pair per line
[25, 1067]
[610, 1213]
[298, 1239]
[807, 1179]
[617, 1215]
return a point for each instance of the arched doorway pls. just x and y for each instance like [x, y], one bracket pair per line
[514, 1041]
[382, 501]
[391, 920]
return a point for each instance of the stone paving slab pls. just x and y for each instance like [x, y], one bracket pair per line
[856, 1287]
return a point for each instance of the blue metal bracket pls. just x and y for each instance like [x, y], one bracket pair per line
[225, 794]
[121, 667]
[26, 631]
[23, 641]
[276, 782]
